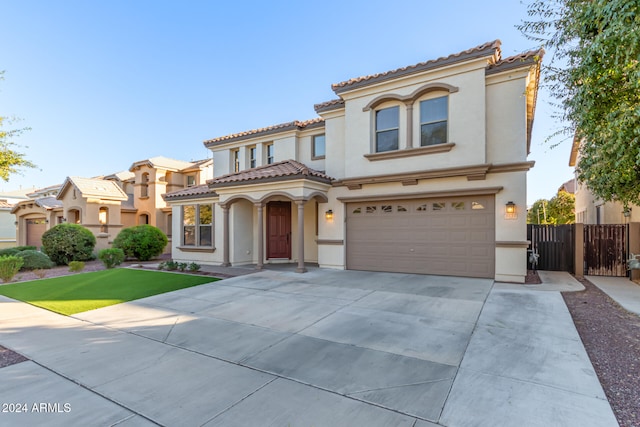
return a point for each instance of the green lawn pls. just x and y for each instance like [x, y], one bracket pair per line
[87, 291]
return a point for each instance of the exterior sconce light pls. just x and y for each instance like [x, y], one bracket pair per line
[328, 215]
[510, 211]
[15, 223]
[626, 212]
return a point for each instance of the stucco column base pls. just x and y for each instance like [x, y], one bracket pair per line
[300, 268]
[259, 264]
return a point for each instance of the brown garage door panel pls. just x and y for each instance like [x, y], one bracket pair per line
[449, 236]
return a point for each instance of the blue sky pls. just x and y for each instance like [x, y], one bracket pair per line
[105, 84]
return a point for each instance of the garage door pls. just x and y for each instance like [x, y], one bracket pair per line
[35, 229]
[447, 236]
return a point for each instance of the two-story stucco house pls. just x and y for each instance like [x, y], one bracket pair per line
[421, 169]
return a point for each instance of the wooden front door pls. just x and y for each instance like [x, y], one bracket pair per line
[279, 230]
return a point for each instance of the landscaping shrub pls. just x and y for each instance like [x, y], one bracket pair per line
[75, 266]
[8, 252]
[194, 267]
[142, 242]
[111, 257]
[34, 260]
[9, 267]
[25, 248]
[68, 242]
[171, 265]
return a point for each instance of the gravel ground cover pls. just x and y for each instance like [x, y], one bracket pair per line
[611, 336]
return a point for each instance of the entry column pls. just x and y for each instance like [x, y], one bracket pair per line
[260, 264]
[301, 268]
[225, 236]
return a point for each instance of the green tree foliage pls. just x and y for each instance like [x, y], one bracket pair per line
[142, 242]
[11, 161]
[595, 76]
[68, 242]
[559, 210]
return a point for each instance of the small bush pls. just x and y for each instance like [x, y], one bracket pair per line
[75, 266]
[34, 260]
[142, 242]
[9, 267]
[161, 266]
[8, 252]
[25, 248]
[171, 265]
[182, 266]
[193, 267]
[111, 257]
[68, 242]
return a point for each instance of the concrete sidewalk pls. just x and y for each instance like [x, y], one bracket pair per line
[324, 348]
[621, 290]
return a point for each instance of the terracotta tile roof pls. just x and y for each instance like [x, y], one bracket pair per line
[5, 204]
[44, 190]
[121, 176]
[334, 104]
[283, 127]
[516, 61]
[197, 191]
[478, 51]
[281, 171]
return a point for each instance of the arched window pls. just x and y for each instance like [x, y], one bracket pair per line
[103, 219]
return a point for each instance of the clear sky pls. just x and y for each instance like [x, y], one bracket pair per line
[103, 84]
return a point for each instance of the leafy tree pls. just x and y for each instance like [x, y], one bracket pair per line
[559, 210]
[10, 159]
[595, 76]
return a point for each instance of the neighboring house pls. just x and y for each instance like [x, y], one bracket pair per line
[593, 210]
[107, 204]
[420, 170]
[7, 219]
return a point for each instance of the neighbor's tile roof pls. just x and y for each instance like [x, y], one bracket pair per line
[478, 51]
[197, 191]
[92, 187]
[283, 127]
[5, 204]
[515, 61]
[285, 170]
[49, 203]
[163, 163]
[122, 175]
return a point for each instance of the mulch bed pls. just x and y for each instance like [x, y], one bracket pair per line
[611, 336]
[532, 278]
[8, 357]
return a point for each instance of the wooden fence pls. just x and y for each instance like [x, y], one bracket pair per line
[606, 249]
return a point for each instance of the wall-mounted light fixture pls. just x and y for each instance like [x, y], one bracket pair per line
[510, 211]
[626, 212]
[328, 215]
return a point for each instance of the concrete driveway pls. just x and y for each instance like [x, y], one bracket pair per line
[327, 348]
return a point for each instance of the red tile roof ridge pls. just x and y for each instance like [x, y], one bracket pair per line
[294, 124]
[536, 53]
[274, 170]
[495, 44]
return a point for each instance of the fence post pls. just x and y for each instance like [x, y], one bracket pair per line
[634, 246]
[578, 264]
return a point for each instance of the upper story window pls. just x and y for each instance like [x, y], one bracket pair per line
[318, 147]
[252, 157]
[387, 132]
[270, 156]
[191, 180]
[235, 158]
[433, 121]
[144, 188]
